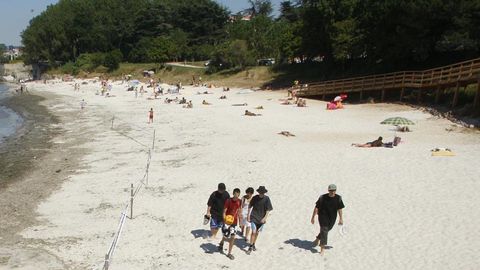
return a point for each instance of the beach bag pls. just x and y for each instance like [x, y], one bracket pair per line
[206, 219]
[396, 140]
[229, 219]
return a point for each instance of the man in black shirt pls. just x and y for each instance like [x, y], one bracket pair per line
[258, 210]
[326, 208]
[215, 208]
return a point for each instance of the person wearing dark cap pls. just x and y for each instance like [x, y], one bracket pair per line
[326, 208]
[215, 208]
[259, 208]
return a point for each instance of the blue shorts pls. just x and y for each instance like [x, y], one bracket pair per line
[256, 227]
[215, 224]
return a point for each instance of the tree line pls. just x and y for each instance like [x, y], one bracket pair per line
[366, 35]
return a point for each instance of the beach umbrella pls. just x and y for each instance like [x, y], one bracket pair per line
[397, 121]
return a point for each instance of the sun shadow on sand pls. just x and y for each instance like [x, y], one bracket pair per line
[241, 243]
[200, 233]
[209, 248]
[303, 244]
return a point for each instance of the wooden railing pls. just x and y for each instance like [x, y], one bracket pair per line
[462, 73]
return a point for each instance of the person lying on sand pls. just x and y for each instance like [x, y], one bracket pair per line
[377, 143]
[182, 101]
[240, 104]
[205, 103]
[286, 133]
[189, 105]
[403, 129]
[259, 108]
[248, 113]
[286, 102]
[301, 102]
[223, 97]
[203, 93]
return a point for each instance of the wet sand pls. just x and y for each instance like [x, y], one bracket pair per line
[31, 168]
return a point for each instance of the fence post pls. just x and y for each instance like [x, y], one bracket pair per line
[476, 101]
[455, 95]
[148, 166]
[437, 95]
[106, 264]
[131, 201]
[153, 143]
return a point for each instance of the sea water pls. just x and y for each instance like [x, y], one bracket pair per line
[10, 121]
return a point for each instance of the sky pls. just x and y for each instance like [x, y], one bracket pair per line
[15, 15]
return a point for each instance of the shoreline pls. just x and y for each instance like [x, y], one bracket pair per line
[21, 146]
[32, 167]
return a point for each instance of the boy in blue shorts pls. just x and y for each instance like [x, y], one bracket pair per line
[215, 208]
[258, 210]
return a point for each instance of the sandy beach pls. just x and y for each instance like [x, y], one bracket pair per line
[405, 209]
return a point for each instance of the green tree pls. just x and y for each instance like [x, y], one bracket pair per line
[113, 59]
[161, 50]
[232, 54]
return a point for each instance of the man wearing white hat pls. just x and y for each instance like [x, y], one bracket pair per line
[326, 208]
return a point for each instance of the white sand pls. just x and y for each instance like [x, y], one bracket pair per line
[404, 208]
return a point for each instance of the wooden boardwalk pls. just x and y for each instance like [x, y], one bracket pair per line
[437, 79]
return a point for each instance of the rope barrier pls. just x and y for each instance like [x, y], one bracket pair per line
[123, 217]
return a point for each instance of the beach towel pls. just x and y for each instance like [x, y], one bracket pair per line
[442, 152]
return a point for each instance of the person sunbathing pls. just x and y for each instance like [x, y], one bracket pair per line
[240, 104]
[223, 97]
[182, 101]
[377, 143]
[205, 103]
[301, 102]
[249, 113]
[189, 105]
[286, 102]
[259, 108]
[403, 129]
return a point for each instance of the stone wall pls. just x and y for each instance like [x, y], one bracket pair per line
[18, 71]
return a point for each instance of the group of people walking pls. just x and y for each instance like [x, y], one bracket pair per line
[247, 215]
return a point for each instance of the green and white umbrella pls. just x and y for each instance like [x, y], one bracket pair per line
[397, 121]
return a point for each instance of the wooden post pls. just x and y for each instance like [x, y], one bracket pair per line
[361, 95]
[324, 93]
[131, 201]
[419, 96]
[476, 101]
[437, 95]
[383, 95]
[106, 264]
[153, 144]
[402, 93]
[455, 96]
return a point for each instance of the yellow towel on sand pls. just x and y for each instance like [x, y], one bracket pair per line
[443, 153]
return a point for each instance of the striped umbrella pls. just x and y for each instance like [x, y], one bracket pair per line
[397, 121]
